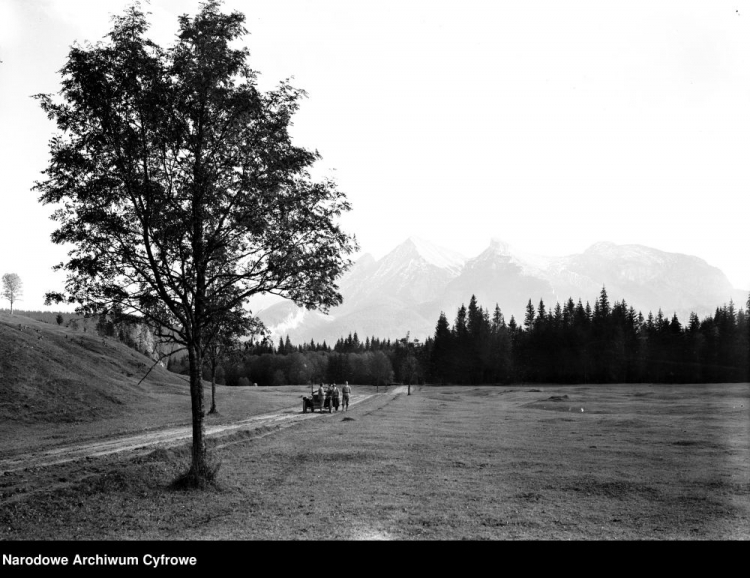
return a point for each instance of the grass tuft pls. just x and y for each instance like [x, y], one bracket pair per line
[198, 478]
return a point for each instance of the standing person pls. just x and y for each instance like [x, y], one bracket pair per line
[335, 397]
[329, 393]
[346, 391]
[321, 394]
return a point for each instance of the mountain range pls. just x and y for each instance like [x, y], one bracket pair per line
[407, 289]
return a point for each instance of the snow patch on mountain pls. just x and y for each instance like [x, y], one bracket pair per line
[415, 259]
[530, 263]
[438, 256]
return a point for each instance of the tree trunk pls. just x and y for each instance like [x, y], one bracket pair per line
[198, 467]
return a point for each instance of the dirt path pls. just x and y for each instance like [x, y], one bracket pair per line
[162, 438]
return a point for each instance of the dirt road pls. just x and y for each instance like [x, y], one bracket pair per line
[163, 438]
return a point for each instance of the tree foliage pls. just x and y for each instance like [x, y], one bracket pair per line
[178, 186]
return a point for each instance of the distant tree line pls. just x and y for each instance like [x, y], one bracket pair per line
[575, 343]
[373, 361]
[570, 343]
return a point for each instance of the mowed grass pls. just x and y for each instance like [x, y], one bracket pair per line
[523, 462]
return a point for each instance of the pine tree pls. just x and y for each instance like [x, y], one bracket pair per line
[558, 315]
[569, 312]
[461, 346]
[442, 352]
[498, 320]
[604, 309]
[459, 325]
[541, 313]
[528, 320]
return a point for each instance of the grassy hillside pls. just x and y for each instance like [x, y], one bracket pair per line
[59, 385]
[51, 373]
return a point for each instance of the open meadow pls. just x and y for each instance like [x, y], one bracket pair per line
[654, 462]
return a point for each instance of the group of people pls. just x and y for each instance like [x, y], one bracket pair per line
[332, 396]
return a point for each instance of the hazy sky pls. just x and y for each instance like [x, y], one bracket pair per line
[550, 125]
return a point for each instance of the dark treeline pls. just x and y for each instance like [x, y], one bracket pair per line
[373, 361]
[575, 343]
[570, 343]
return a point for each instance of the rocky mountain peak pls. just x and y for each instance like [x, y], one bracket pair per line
[414, 247]
[500, 247]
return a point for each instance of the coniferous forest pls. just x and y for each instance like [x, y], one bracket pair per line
[576, 343]
[569, 343]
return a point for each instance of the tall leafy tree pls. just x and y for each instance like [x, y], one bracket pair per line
[179, 188]
[381, 369]
[224, 341]
[12, 288]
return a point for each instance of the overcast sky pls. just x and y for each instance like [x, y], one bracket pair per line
[550, 125]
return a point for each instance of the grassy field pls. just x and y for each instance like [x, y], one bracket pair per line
[500, 463]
